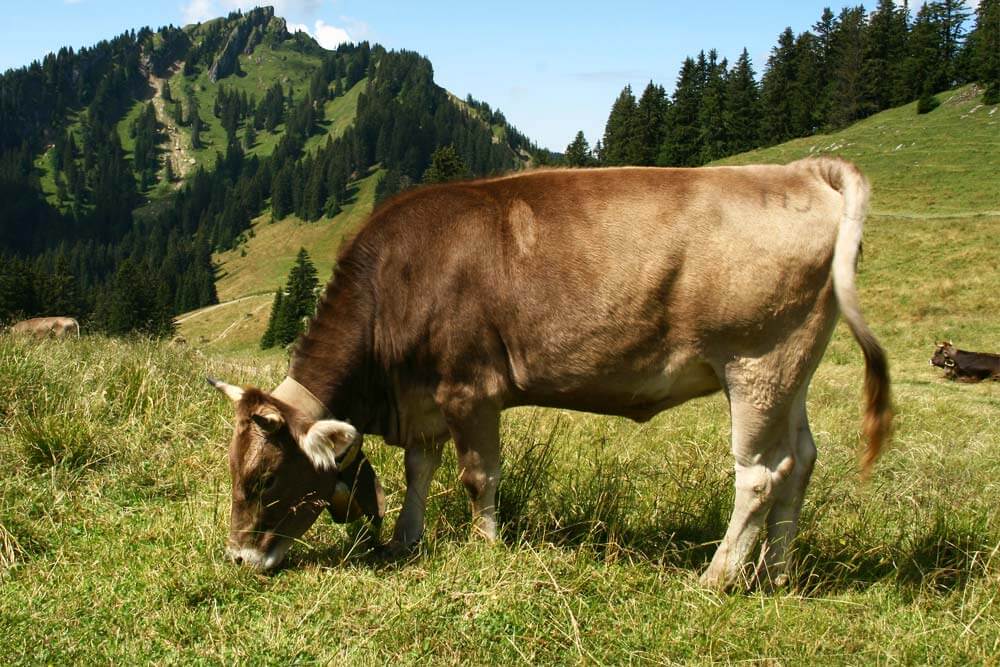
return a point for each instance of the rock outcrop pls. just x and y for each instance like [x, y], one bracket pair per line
[243, 39]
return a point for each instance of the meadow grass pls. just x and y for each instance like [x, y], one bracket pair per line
[262, 263]
[114, 510]
[114, 501]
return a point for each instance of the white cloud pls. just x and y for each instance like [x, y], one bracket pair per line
[328, 36]
[281, 7]
[357, 28]
[198, 10]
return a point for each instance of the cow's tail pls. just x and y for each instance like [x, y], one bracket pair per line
[853, 186]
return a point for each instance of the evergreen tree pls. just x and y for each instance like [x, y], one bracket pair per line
[712, 138]
[282, 201]
[741, 113]
[578, 152]
[268, 339]
[446, 165]
[885, 43]
[984, 49]
[847, 57]
[195, 128]
[777, 91]
[807, 87]
[620, 135]
[681, 147]
[289, 311]
[650, 124]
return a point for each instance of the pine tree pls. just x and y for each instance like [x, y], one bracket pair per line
[776, 91]
[650, 124]
[620, 131]
[984, 49]
[845, 89]
[268, 339]
[195, 128]
[806, 87]
[289, 311]
[681, 147]
[446, 165]
[742, 107]
[712, 138]
[578, 152]
[281, 193]
[885, 42]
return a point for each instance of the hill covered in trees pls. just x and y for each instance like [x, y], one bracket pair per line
[125, 166]
[847, 67]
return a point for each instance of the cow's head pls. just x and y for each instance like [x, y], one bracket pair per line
[286, 469]
[944, 355]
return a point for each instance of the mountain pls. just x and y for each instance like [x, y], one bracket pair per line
[159, 148]
[924, 168]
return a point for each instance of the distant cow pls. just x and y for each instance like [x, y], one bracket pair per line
[966, 366]
[40, 327]
[622, 291]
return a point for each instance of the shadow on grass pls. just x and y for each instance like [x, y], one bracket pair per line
[940, 557]
[605, 508]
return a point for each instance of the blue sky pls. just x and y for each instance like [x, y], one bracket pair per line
[552, 67]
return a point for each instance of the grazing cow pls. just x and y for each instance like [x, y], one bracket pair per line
[40, 327]
[620, 291]
[966, 366]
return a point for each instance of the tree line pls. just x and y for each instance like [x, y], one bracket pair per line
[98, 239]
[847, 67]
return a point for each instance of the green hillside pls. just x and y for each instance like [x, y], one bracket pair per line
[115, 505]
[942, 163]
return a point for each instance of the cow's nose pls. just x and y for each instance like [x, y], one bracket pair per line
[238, 560]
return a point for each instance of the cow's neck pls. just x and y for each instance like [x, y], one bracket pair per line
[333, 361]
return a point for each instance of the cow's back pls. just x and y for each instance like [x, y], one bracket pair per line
[573, 285]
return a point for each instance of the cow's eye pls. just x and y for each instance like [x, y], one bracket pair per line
[266, 483]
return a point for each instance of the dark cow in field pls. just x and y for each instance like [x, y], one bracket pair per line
[41, 327]
[620, 291]
[966, 366]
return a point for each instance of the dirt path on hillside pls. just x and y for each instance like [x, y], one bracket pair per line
[208, 309]
[177, 151]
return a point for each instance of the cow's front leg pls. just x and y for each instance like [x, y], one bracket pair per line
[420, 461]
[476, 431]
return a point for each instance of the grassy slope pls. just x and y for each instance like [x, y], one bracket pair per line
[261, 265]
[938, 164]
[114, 509]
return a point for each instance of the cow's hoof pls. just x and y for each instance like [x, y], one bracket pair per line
[395, 550]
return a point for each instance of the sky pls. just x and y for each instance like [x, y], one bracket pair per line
[552, 66]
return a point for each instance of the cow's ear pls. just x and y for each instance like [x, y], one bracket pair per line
[232, 392]
[326, 441]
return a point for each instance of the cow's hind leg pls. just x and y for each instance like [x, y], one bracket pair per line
[765, 457]
[783, 519]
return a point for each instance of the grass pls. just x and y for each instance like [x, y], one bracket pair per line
[941, 164]
[262, 263]
[113, 509]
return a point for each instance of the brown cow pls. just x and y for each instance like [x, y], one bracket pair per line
[619, 291]
[58, 327]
